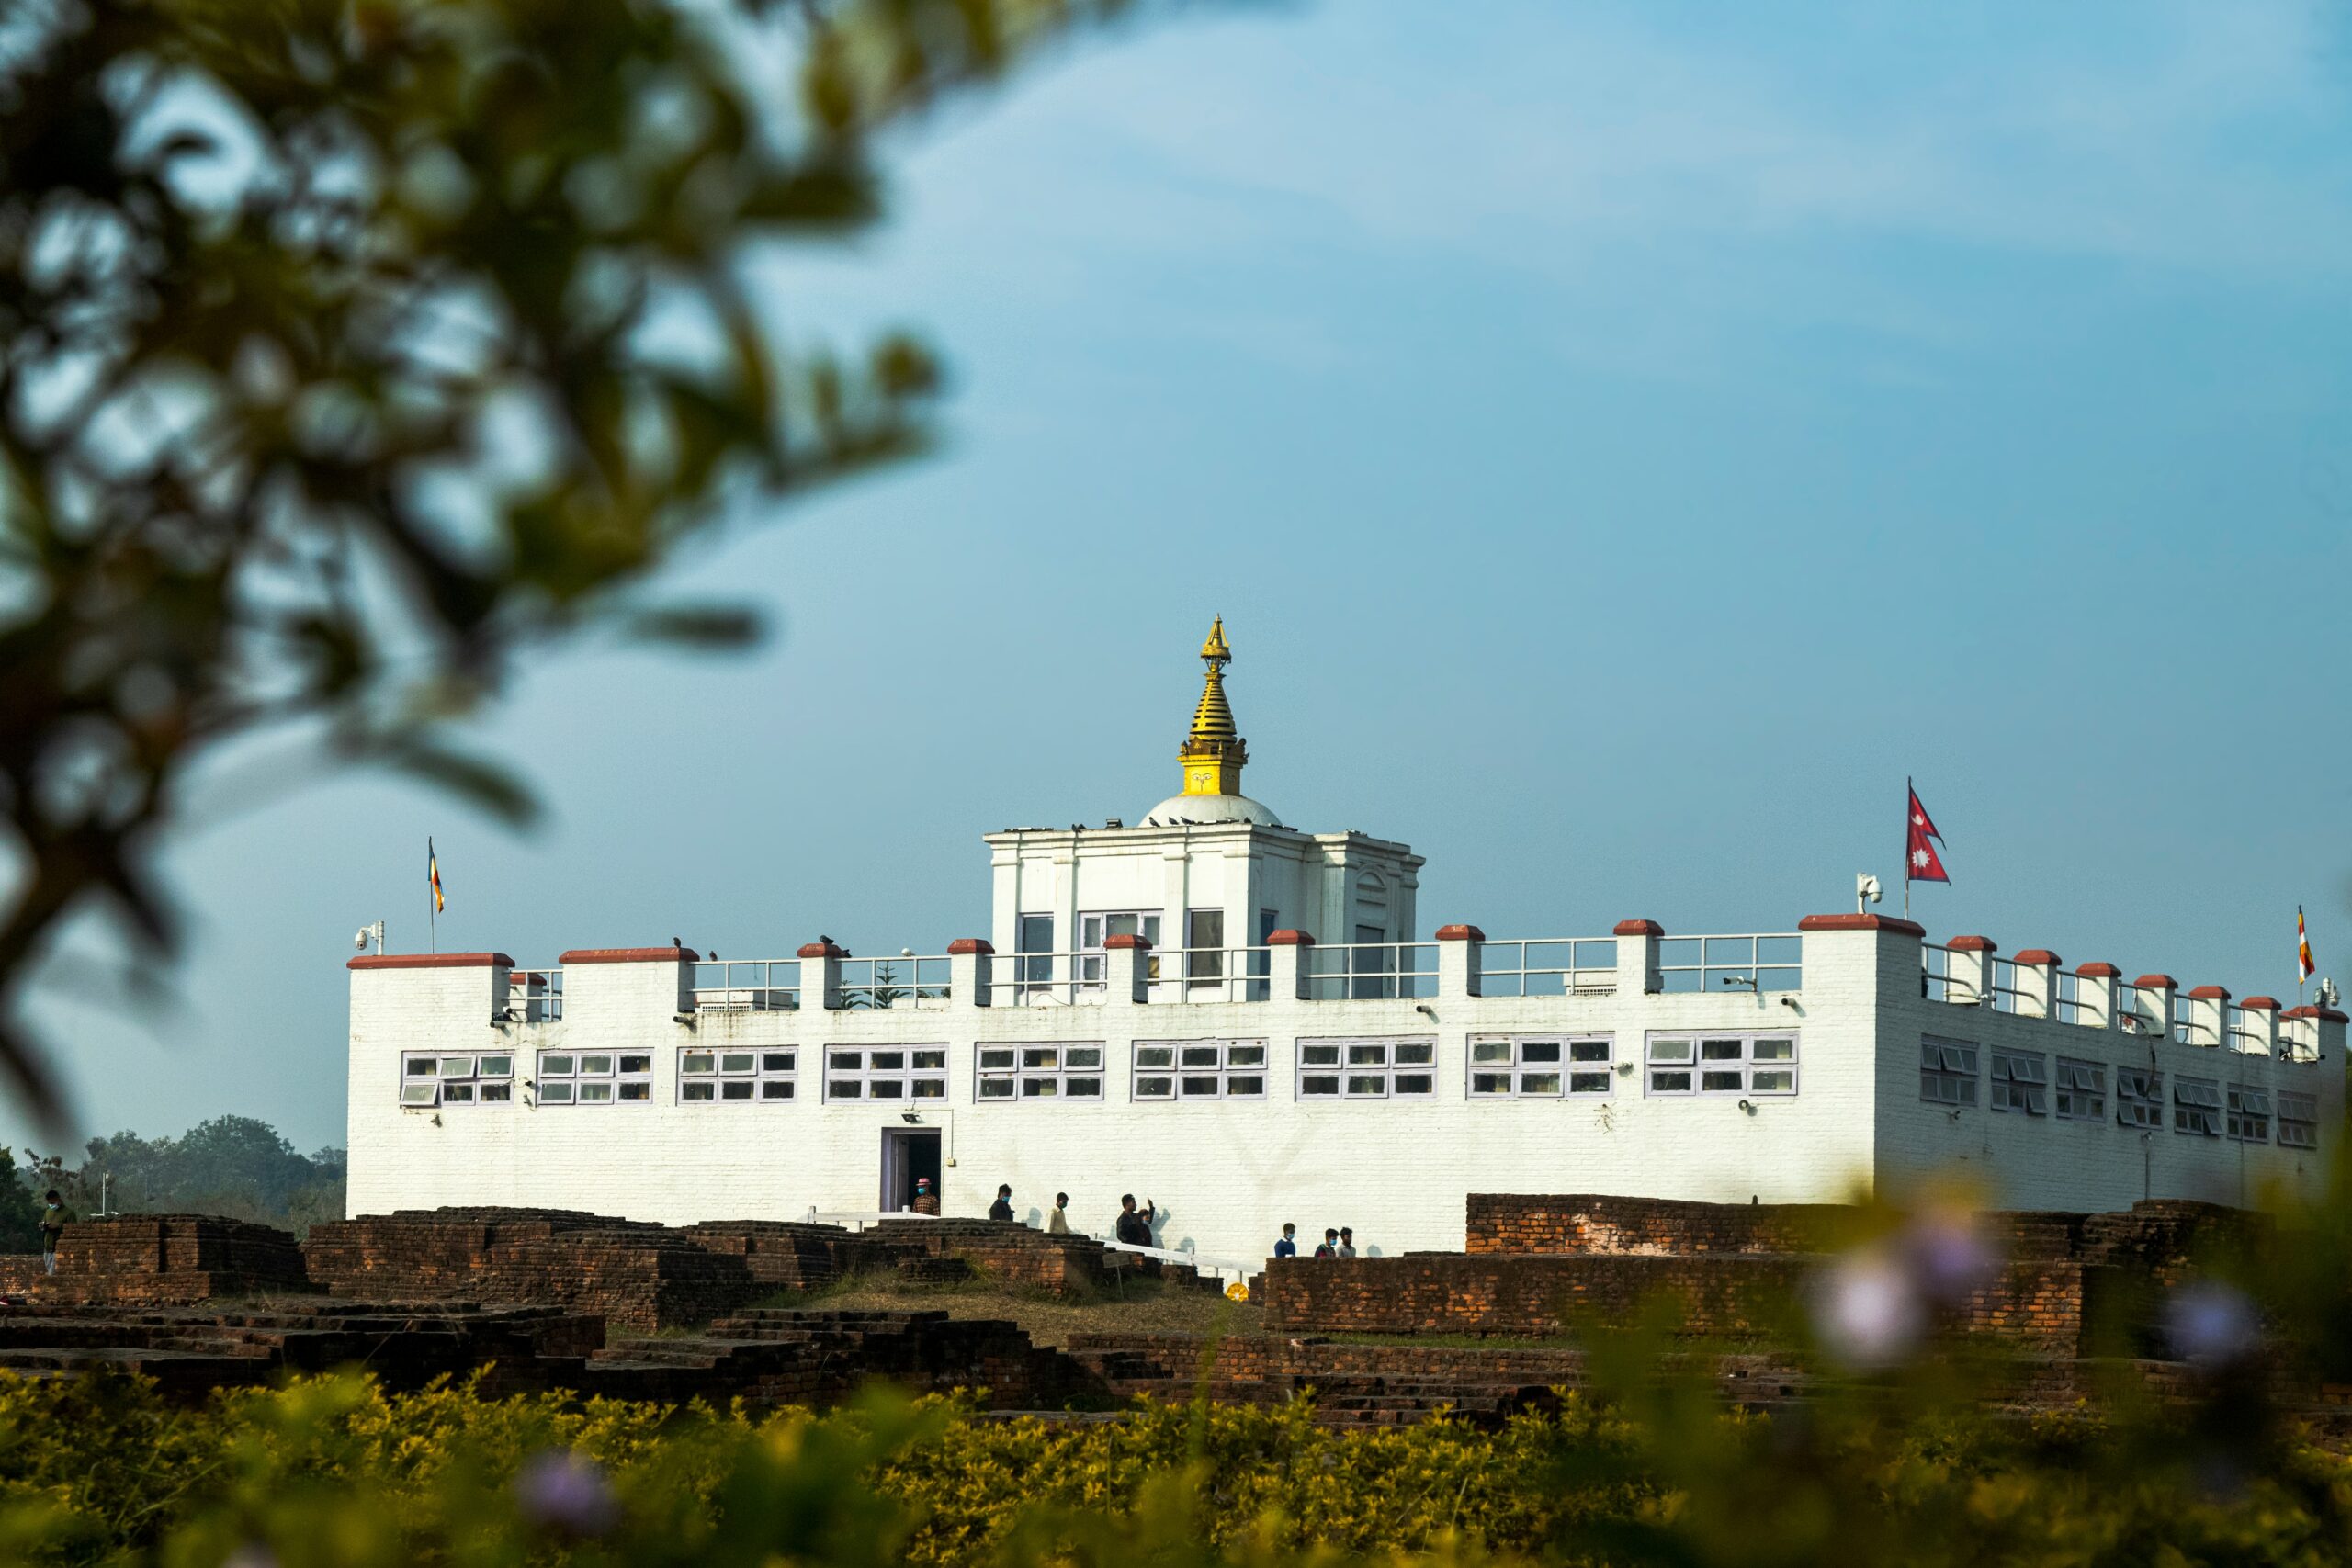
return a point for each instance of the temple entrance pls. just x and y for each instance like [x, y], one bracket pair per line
[909, 1155]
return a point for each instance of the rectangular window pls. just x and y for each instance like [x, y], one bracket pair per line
[1032, 939]
[1204, 935]
[2082, 1090]
[1946, 1071]
[1367, 1070]
[892, 1075]
[2020, 1082]
[2249, 1113]
[1035, 1073]
[2139, 1096]
[1541, 1066]
[2298, 1119]
[594, 1078]
[1721, 1064]
[766, 1074]
[2196, 1107]
[1096, 929]
[1198, 1069]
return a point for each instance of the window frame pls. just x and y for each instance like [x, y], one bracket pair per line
[1696, 1065]
[1177, 1071]
[615, 1075]
[1516, 1068]
[1345, 1071]
[1020, 1073]
[2306, 1117]
[2004, 1084]
[2237, 1113]
[2060, 1091]
[1944, 1074]
[759, 1076]
[2140, 1091]
[907, 1076]
[480, 1086]
[2194, 1117]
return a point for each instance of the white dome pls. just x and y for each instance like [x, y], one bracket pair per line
[1206, 810]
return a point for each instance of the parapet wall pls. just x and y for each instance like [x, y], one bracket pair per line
[1589, 1223]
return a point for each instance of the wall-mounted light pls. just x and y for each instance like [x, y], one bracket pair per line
[1748, 1105]
[910, 1118]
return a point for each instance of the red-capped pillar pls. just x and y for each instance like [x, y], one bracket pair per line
[1127, 966]
[820, 973]
[2208, 1016]
[2258, 1018]
[615, 982]
[1287, 968]
[1637, 972]
[2095, 992]
[2037, 982]
[1971, 969]
[1457, 960]
[2156, 994]
[970, 972]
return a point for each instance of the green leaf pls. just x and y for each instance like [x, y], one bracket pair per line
[475, 780]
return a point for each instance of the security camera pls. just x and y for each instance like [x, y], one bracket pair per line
[359, 939]
[1866, 892]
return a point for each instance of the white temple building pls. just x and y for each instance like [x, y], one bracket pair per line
[1241, 1021]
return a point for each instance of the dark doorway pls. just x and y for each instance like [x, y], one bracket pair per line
[909, 1155]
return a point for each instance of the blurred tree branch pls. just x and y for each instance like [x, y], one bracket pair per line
[348, 348]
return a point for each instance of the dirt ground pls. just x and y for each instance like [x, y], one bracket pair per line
[1143, 1307]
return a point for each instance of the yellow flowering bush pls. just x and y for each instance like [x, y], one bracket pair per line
[334, 1470]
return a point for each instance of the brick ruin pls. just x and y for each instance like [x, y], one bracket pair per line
[1539, 1267]
[566, 1301]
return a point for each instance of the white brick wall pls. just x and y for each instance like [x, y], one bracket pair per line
[1230, 1173]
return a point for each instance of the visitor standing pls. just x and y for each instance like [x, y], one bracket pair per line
[1057, 1222]
[1002, 1208]
[1134, 1227]
[53, 1217]
[1288, 1245]
[1331, 1247]
[1346, 1242]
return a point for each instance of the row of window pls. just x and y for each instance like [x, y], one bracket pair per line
[2020, 1084]
[1501, 1066]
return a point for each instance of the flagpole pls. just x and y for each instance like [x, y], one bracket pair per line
[432, 903]
[1909, 789]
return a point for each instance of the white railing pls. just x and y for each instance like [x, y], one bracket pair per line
[534, 996]
[1187, 1257]
[902, 982]
[1371, 971]
[759, 985]
[1213, 974]
[1548, 967]
[2068, 1003]
[1772, 961]
[2237, 1036]
[2129, 1016]
[1937, 982]
[2001, 993]
[2183, 1019]
[1046, 979]
[857, 1219]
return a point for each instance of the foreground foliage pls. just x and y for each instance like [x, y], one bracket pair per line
[334, 1470]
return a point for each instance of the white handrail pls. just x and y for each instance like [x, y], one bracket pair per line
[1188, 1258]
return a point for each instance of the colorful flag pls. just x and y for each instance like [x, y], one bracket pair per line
[433, 875]
[1920, 860]
[2303, 966]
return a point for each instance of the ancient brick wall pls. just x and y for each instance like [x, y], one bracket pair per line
[1581, 1223]
[1535, 1297]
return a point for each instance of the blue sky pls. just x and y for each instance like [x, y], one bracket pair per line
[1623, 442]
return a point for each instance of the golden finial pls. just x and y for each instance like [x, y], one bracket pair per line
[1214, 752]
[1215, 650]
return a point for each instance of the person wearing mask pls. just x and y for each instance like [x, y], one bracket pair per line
[54, 1217]
[1057, 1222]
[1002, 1208]
[1346, 1242]
[1288, 1245]
[1134, 1227]
[1331, 1247]
[926, 1200]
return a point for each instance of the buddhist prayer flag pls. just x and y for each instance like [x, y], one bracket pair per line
[432, 875]
[1920, 860]
[2303, 966]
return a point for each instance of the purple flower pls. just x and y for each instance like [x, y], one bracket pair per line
[1948, 1255]
[2211, 1325]
[1868, 1311]
[567, 1492]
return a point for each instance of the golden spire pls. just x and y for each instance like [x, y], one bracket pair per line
[1214, 752]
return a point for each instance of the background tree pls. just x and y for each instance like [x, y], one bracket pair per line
[348, 348]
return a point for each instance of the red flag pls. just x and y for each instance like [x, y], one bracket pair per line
[1920, 860]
